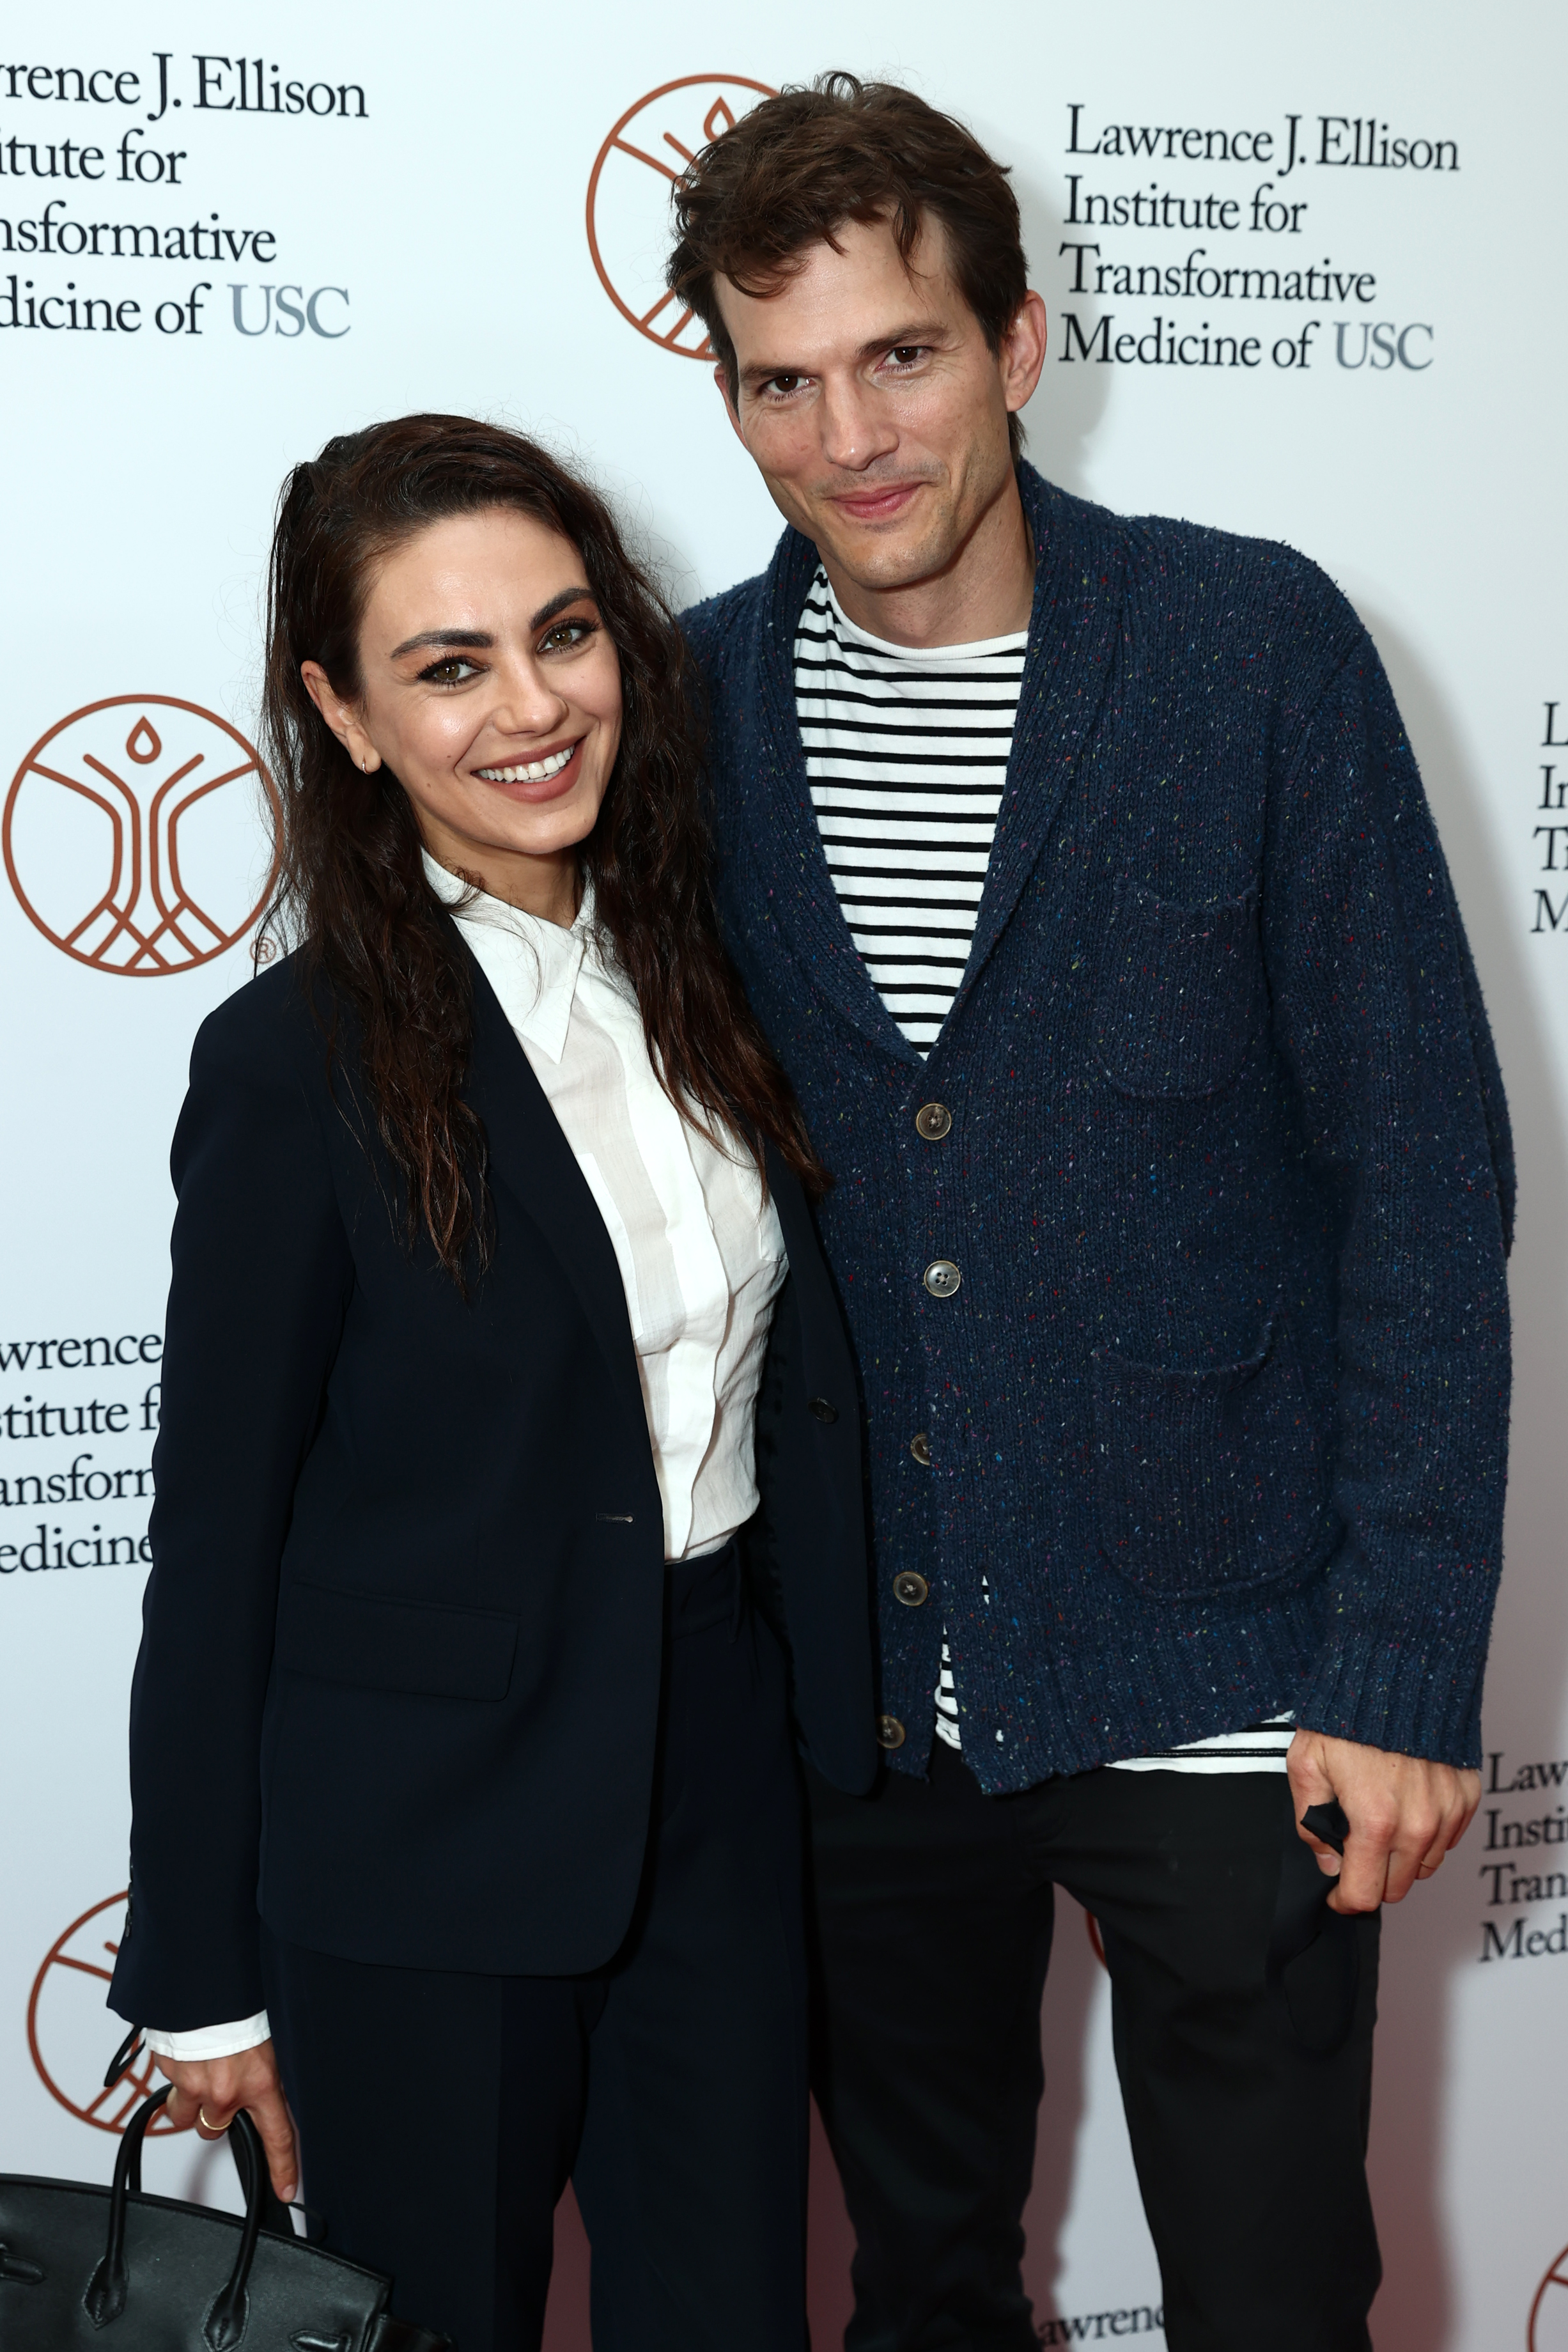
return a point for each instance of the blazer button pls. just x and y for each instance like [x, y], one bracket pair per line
[822, 1409]
[933, 1121]
[920, 1446]
[910, 1588]
[942, 1278]
[889, 1731]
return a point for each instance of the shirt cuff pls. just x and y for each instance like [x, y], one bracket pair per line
[210, 2041]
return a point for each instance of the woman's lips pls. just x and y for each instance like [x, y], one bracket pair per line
[545, 778]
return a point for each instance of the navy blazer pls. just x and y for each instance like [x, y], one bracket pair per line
[1216, 1423]
[399, 1679]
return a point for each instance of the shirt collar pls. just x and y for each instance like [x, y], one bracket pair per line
[925, 657]
[533, 966]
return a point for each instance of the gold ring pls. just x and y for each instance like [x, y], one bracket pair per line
[201, 2119]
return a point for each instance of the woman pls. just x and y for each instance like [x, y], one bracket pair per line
[464, 1787]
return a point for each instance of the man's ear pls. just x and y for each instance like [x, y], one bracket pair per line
[342, 717]
[1022, 352]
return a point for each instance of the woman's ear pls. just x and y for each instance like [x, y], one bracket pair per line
[342, 717]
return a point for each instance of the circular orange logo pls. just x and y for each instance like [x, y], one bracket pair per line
[130, 839]
[65, 2015]
[629, 198]
[1548, 2311]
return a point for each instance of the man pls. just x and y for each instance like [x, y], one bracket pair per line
[1081, 872]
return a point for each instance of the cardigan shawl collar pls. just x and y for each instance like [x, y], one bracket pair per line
[1074, 624]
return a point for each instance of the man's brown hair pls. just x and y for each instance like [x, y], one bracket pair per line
[793, 171]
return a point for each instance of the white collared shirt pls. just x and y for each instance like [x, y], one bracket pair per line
[701, 1252]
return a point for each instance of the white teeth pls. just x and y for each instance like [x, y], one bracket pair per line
[535, 771]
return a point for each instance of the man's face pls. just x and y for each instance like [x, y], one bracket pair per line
[873, 405]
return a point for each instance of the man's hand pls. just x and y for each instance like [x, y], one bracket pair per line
[209, 2092]
[1404, 1814]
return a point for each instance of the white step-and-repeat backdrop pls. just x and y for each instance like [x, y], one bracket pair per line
[1304, 277]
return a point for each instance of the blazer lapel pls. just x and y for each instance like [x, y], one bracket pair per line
[1073, 632]
[825, 1336]
[531, 1160]
[784, 834]
[801, 1246]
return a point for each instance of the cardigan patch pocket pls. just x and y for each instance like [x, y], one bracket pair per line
[1183, 996]
[1209, 1483]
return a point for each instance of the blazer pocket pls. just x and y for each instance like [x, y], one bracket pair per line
[418, 1646]
[1209, 1483]
[1183, 996]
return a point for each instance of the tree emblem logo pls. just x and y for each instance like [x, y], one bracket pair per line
[65, 2015]
[130, 837]
[1549, 2313]
[629, 198]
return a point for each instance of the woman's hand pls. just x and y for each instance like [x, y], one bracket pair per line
[209, 2092]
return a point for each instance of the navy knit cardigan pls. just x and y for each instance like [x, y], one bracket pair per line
[1217, 1417]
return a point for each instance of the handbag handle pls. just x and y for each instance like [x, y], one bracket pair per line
[110, 2283]
[250, 2163]
[106, 2290]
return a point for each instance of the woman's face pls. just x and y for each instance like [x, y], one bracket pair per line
[491, 688]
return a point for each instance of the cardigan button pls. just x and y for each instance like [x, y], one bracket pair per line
[942, 1278]
[889, 1731]
[909, 1587]
[920, 1446]
[933, 1121]
[822, 1409]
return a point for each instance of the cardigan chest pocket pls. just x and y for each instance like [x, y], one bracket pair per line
[1210, 1483]
[1183, 994]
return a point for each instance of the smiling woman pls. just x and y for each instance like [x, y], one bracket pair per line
[503, 724]
[456, 605]
[499, 1460]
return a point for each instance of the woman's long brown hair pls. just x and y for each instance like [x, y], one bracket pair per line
[353, 889]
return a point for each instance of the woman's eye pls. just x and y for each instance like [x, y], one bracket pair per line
[453, 671]
[565, 634]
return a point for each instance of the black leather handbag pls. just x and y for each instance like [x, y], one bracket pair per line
[124, 2272]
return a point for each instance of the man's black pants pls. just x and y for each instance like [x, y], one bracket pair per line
[1242, 2014]
[440, 2113]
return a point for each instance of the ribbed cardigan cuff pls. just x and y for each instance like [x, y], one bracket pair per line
[1383, 1691]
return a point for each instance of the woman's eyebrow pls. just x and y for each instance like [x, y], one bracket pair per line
[478, 638]
[558, 604]
[481, 640]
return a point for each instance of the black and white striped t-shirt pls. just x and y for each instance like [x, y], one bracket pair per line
[906, 756]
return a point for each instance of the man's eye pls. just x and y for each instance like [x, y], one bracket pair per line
[785, 383]
[453, 671]
[903, 355]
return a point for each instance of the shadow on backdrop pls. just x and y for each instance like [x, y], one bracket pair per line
[1430, 1944]
[1073, 394]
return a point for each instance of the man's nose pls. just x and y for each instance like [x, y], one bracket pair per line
[856, 430]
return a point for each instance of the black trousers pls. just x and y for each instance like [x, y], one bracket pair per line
[440, 2114]
[1242, 2013]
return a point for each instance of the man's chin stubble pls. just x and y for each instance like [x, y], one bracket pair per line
[882, 566]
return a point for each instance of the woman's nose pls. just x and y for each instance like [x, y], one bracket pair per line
[529, 705]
